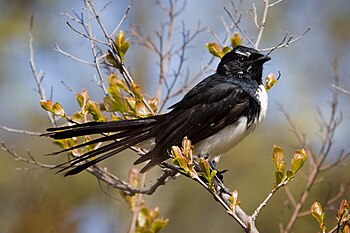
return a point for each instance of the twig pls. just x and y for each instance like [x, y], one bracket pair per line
[38, 76]
[123, 19]
[290, 196]
[288, 42]
[20, 131]
[20, 158]
[95, 56]
[115, 182]
[58, 49]
[268, 198]
[263, 23]
[220, 194]
[238, 28]
[137, 205]
[316, 161]
[166, 50]
[340, 89]
[86, 36]
[68, 88]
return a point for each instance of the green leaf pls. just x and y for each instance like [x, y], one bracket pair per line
[113, 81]
[95, 112]
[121, 44]
[136, 89]
[47, 105]
[82, 99]
[141, 110]
[153, 103]
[179, 159]
[66, 143]
[123, 49]
[290, 174]
[176, 152]
[270, 81]
[215, 50]
[277, 158]
[159, 224]
[318, 214]
[343, 216]
[143, 217]
[279, 177]
[298, 160]
[115, 104]
[205, 167]
[226, 49]
[120, 39]
[78, 116]
[236, 40]
[184, 163]
[113, 61]
[58, 110]
[130, 102]
[206, 170]
[233, 199]
[114, 92]
[187, 149]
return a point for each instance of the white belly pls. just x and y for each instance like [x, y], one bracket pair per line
[231, 135]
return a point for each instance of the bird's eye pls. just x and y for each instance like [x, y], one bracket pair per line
[240, 60]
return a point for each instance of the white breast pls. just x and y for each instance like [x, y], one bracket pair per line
[261, 95]
[231, 135]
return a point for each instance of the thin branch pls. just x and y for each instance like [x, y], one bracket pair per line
[17, 157]
[20, 131]
[59, 50]
[123, 19]
[137, 206]
[263, 23]
[299, 136]
[329, 127]
[38, 76]
[86, 36]
[95, 56]
[275, 3]
[268, 198]
[288, 42]
[340, 89]
[68, 88]
[290, 196]
[238, 28]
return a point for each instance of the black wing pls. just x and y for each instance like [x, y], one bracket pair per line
[205, 110]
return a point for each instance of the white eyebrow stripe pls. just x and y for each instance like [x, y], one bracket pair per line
[246, 54]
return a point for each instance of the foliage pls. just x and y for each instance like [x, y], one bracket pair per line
[124, 99]
[147, 220]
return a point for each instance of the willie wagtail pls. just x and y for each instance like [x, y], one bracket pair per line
[215, 115]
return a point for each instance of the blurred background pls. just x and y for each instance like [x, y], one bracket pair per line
[39, 200]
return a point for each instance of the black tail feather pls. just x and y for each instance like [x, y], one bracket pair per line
[125, 134]
[96, 128]
[101, 154]
[112, 137]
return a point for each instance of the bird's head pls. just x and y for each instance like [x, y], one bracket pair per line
[243, 62]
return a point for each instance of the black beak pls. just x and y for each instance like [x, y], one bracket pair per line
[261, 60]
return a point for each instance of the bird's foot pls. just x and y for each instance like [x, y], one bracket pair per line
[218, 179]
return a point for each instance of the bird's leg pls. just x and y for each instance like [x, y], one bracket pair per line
[219, 174]
[218, 180]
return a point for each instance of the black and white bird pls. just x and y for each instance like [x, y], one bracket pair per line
[215, 115]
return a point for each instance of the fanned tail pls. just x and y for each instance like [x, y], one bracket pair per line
[96, 128]
[126, 134]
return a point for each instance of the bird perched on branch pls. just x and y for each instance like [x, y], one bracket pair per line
[215, 115]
